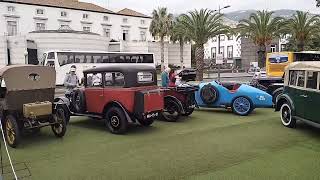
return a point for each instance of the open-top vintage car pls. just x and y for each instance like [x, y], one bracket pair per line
[178, 101]
[242, 98]
[119, 95]
[301, 96]
[27, 101]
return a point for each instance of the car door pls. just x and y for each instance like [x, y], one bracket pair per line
[94, 92]
[312, 97]
[296, 91]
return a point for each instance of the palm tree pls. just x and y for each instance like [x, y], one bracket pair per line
[261, 28]
[160, 26]
[302, 26]
[200, 26]
[178, 34]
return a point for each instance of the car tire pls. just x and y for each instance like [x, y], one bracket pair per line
[188, 111]
[209, 94]
[12, 131]
[79, 101]
[242, 106]
[286, 115]
[172, 110]
[116, 120]
[60, 127]
[66, 112]
[146, 122]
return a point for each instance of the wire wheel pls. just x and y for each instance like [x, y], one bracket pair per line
[12, 132]
[59, 129]
[241, 106]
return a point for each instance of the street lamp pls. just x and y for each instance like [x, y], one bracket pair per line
[219, 52]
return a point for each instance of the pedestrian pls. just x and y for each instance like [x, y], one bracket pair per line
[172, 78]
[71, 80]
[165, 77]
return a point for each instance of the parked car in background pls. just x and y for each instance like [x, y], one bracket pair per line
[27, 102]
[187, 74]
[301, 96]
[118, 95]
[243, 99]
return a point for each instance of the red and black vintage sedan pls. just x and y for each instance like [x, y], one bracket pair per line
[119, 95]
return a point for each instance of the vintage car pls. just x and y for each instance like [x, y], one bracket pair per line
[242, 98]
[187, 74]
[27, 101]
[301, 96]
[119, 95]
[178, 101]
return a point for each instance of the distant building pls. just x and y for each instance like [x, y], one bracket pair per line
[230, 45]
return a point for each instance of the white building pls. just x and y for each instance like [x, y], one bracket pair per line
[90, 27]
[19, 17]
[230, 46]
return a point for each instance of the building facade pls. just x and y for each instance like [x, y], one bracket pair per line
[19, 17]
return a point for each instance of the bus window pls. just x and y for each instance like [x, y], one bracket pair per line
[96, 58]
[148, 58]
[79, 58]
[105, 59]
[134, 59]
[51, 55]
[120, 59]
[65, 58]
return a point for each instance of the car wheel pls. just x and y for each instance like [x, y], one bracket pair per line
[60, 127]
[146, 122]
[286, 116]
[188, 111]
[242, 106]
[116, 120]
[12, 131]
[66, 112]
[79, 101]
[171, 111]
[209, 94]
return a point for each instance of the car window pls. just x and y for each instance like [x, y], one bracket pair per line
[293, 78]
[94, 80]
[300, 78]
[114, 79]
[312, 79]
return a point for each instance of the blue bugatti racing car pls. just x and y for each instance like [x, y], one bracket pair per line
[242, 98]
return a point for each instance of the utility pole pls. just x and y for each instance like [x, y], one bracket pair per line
[219, 52]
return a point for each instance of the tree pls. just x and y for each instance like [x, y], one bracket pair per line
[161, 26]
[261, 28]
[178, 34]
[200, 26]
[302, 27]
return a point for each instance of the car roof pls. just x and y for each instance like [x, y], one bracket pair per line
[306, 65]
[121, 68]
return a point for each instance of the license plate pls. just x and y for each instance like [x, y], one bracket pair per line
[192, 106]
[152, 115]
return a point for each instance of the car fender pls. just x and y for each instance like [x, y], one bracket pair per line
[284, 97]
[121, 106]
[176, 100]
[62, 101]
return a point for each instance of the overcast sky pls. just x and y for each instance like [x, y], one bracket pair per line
[180, 6]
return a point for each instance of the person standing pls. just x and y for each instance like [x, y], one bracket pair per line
[71, 80]
[165, 77]
[172, 78]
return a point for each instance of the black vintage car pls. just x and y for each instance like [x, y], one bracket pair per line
[187, 74]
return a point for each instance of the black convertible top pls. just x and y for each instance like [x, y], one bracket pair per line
[121, 68]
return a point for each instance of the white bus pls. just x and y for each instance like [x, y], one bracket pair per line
[64, 59]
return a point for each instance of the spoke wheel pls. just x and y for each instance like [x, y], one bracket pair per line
[242, 106]
[171, 110]
[286, 116]
[59, 129]
[12, 131]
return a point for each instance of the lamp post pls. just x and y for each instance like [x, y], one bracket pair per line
[219, 52]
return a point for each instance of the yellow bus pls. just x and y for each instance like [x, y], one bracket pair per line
[277, 61]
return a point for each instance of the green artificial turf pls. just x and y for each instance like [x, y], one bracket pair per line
[211, 144]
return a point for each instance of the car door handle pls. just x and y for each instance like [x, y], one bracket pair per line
[304, 96]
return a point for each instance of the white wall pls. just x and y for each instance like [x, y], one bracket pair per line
[18, 49]
[26, 17]
[3, 51]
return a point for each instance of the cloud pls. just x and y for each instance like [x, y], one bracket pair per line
[181, 6]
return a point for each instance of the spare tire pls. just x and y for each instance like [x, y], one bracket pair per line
[79, 101]
[209, 94]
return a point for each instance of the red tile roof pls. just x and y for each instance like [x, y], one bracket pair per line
[131, 12]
